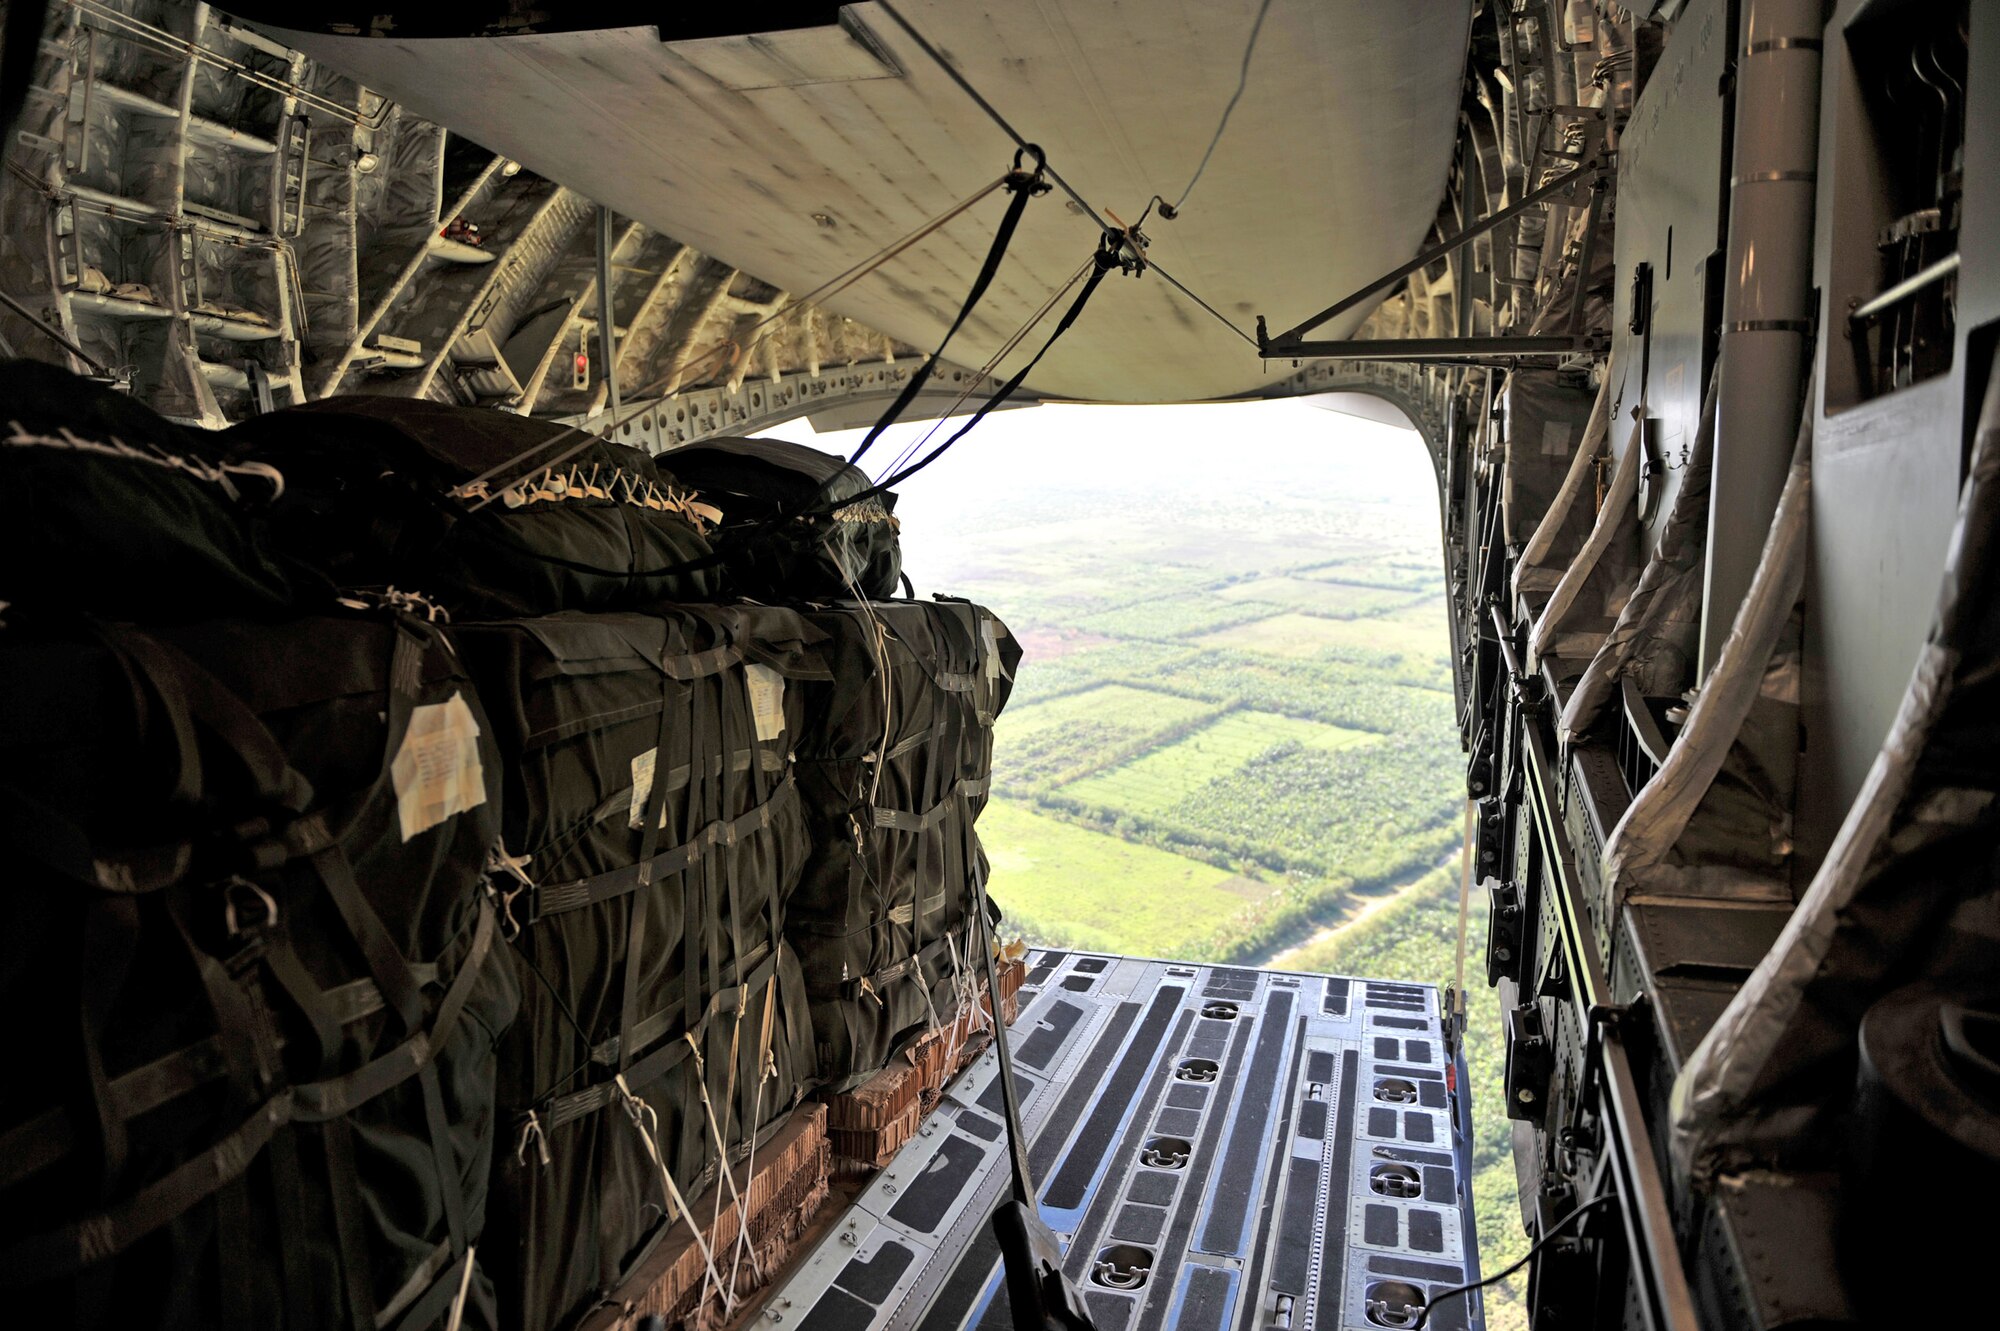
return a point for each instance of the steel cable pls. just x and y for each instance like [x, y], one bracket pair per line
[1094, 214]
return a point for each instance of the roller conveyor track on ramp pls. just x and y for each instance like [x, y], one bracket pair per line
[1218, 1149]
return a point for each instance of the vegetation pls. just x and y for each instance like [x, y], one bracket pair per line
[1173, 617]
[1071, 736]
[1066, 888]
[1168, 776]
[1332, 600]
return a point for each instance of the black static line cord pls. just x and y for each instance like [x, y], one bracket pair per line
[1023, 186]
[1555, 1232]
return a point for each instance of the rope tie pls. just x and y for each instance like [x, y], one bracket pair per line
[647, 1120]
[722, 1151]
[532, 1134]
[457, 1318]
[767, 1064]
[500, 864]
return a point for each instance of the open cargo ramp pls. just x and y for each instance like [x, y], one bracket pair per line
[1216, 1148]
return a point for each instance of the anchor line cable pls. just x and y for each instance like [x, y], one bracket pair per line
[1023, 187]
[1096, 215]
[833, 286]
[1242, 82]
[1214, 313]
[986, 370]
[951, 71]
[918, 443]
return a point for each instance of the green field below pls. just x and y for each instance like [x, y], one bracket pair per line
[1338, 600]
[1416, 631]
[1170, 617]
[1067, 885]
[1164, 777]
[1137, 710]
[1068, 737]
[1403, 574]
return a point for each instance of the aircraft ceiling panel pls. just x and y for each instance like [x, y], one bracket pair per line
[794, 157]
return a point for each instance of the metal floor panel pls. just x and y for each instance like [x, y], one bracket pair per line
[1269, 1146]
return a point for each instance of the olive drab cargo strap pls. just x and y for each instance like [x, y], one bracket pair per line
[702, 768]
[711, 735]
[681, 753]
[539, 902]
[557, 1110]
[915, 964]
[761, 777]
[246, 1049]
[902, 820]
[73, 1247]
[167, 685]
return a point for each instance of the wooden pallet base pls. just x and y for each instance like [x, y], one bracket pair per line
[786, 1190]
[870, 1123]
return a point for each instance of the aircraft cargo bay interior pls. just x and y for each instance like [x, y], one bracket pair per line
[941, 665]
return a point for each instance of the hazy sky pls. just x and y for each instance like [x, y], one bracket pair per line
[1275, 452]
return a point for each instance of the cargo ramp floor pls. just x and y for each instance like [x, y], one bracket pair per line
[1219, 1149]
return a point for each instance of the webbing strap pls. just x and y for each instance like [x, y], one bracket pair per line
[645, 1071]
[434, 1299]
[30, 1147]
[71, 1248]
[326, 1099]
[900, 820]
[435, 1279]
[75, 1246]
[236, 1299]
[564, 897]
[110, 941]
[699, 665]
[439, 1129]
[956, 681]
[304, 1283]
[309, 1000]
[649, 846]
[1023, 188]
[651, 1028]
[350, 1235]
[187, 694]
[895, 970]
[390, 968]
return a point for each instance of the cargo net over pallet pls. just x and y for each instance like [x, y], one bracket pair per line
[486, 844]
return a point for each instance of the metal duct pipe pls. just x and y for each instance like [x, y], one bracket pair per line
[607, 313]
[1766, 299]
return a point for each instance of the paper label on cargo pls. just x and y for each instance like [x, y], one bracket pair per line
[642, 785]
[436, 770]
[989, 648]
[1555, 439]
[902, 914]
[767, 700]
